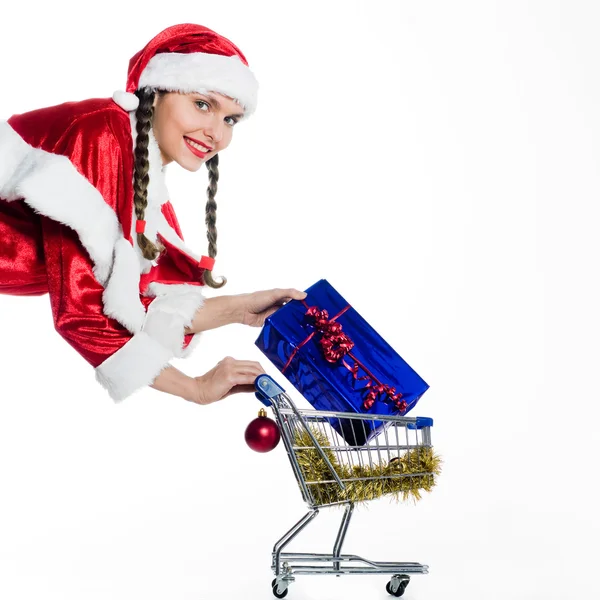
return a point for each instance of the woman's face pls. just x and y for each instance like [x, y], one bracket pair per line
[191, 128]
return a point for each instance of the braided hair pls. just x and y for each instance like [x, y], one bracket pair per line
[211, 219]
[151, 251]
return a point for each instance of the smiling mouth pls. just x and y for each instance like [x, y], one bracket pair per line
[199, 146]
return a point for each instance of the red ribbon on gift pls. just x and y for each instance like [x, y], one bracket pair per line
[335, 344]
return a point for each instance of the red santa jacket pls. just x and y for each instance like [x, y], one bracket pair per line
[67, 229]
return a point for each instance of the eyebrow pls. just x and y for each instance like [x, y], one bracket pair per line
[218, 105]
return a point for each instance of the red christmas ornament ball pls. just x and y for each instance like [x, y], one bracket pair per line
[262, 434]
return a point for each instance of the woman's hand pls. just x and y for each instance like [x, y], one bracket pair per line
[256, 307]
[248, 309]
[229, 376]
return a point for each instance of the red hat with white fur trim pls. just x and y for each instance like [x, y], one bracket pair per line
[190, 58]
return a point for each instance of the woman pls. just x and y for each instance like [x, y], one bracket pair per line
[125, 291]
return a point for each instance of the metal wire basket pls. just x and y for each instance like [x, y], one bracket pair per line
[329, 471]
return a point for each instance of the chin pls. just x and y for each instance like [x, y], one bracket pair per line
[191, 165]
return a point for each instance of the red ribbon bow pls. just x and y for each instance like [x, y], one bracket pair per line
[335, 344]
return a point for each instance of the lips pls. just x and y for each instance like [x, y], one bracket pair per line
[201, 143]
[194, 150]
[208, 148]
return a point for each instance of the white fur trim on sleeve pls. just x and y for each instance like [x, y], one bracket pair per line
[173, 309]
[135, 365]
[141, 359]
[187, 351]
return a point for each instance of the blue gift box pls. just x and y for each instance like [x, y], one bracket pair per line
[338, 362]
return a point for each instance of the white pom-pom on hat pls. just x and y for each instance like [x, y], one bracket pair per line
[126, 101]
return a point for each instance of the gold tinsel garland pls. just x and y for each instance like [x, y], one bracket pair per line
[418, 468]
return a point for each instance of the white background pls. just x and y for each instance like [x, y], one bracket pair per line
[437, 162]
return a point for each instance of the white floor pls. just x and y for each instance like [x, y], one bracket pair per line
[121, 519]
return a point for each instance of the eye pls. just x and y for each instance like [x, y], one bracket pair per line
[232, 121]
[200, 104]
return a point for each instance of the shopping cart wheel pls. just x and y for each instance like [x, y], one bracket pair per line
[397, 584]
[275, 592]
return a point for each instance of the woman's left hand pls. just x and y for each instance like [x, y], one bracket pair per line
[256, 307]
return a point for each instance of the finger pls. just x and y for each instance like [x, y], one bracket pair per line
[239, 389]
[250, 371]
[296, 294]
[240, 379]
[248, 363]
[283, 301]
[287, 294]
[245, 377]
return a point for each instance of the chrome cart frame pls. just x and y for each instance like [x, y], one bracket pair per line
[398, 435]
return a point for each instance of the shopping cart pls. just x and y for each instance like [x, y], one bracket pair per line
[310, 431]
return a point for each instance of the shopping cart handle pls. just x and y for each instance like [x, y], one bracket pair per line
[266, 388]
[421, 422]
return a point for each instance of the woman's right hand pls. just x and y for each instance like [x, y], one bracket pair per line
[229, 376]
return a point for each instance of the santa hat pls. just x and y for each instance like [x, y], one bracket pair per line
[190, 58]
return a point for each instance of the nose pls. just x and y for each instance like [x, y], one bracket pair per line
[214, 129]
